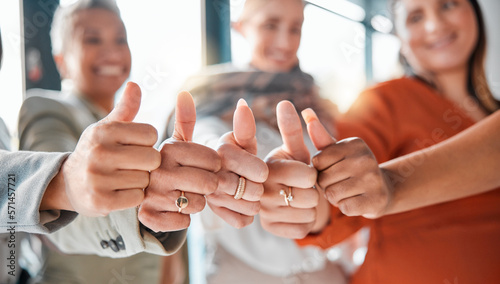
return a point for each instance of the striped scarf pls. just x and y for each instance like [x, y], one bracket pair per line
[217, 90]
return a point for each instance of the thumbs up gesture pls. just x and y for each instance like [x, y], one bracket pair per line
[110, 165]
[237, 197]
[289, 202]
[186, 174]
[348, 172]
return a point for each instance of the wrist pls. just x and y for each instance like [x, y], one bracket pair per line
[55, 196]
[392, 199]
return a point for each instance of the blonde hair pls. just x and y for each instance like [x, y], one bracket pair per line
[252, 6]
[62, 25]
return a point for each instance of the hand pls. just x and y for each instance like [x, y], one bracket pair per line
[110, 165]
[237, 150]
[348, 172]
[290, 174]
[186, 168]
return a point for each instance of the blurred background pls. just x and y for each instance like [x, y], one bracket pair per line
[347, 45]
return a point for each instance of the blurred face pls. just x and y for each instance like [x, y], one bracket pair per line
[97, 58]
[273, 33]
[437, 35]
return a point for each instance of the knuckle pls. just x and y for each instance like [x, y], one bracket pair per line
[103, 129]
[151, 133]
[242, 221]
[167, 148]
[299, 232]
[223, 150]
[263, 172]
[224, 179]
[311, 179]
[154, 159]
[323, 180]
[332, 195]
[349, 207]
[345, 208]
[356, 142]
[198, 204]
[211, 184]
[144, 179]
[313, 199]
[254, 208]
[258, 192]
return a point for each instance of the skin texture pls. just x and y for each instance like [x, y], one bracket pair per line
[110, 162]
[289, 169]
[273, 31]
[238, 150]
[185, 166]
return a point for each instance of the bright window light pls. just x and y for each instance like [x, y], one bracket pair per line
[382, 24]
[342, 7]
[64, 3]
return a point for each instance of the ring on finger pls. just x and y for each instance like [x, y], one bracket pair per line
[240, 190]
[287, 195]
[181, 202]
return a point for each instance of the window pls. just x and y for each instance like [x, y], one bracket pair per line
[11, 84]
[165, 41]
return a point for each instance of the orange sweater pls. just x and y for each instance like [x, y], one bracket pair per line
[453, 242]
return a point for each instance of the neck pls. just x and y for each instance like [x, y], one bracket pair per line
[102, 102]
[453, 84]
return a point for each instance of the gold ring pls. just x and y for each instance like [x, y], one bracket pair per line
[240, 190]
[288, 196]
[181, 202]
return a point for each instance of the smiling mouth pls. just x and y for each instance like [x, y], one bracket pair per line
[278, 57]
[110, 70]
[443, 41]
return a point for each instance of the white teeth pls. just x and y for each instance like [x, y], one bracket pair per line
[109, 70]
[442, 42]
[278, 57]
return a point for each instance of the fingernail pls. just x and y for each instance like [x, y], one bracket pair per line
[241, 102]
[309, 115]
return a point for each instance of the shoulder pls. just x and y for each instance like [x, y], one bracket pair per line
[45, 101]
[395, 87]
[43, 104]
[391, 94]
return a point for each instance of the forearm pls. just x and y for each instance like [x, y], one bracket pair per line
[464, 165]
[28, 175]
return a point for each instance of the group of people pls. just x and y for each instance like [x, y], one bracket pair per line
[99, 200]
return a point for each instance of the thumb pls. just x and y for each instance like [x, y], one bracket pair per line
[318, 133]
[185, 117]
[291, 132]
[128, 107]
[244, 127]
